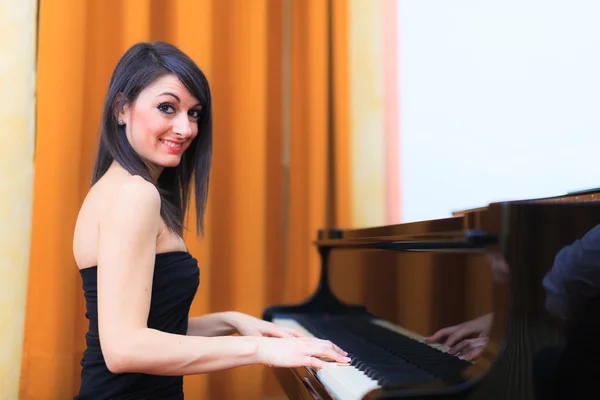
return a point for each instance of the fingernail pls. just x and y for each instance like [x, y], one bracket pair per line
[347, 359]
[461, 357]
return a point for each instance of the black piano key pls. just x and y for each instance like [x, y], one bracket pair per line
[399, 380]
[379, 373]
[383, 355]
[419, 354]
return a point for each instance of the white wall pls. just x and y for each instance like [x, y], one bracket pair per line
[498, 100]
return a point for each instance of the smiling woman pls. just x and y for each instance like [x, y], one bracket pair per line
[170, 112]
[163, 106]
[138, 276]
[265, 153]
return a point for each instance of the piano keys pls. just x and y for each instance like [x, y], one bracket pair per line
[343, 381]
[371, 367]
[517, 241]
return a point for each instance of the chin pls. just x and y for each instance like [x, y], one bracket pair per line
[170, 163]
[165, 162]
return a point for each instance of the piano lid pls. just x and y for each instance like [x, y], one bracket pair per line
[454, 233]
[575, 196]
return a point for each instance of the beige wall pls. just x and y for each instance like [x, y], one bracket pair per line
[17, 83]
[367, 113]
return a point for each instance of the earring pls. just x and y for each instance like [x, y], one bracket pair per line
[121, 123]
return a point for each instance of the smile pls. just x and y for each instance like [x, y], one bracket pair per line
[172, 146]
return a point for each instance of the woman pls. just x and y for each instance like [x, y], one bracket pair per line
[138, 278]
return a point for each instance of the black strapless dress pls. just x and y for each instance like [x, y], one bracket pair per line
[175, 282]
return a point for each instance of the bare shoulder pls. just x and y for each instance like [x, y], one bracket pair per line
[132, 204]
[136, 197]
[135, 190]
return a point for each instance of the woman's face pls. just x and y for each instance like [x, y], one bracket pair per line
[162, 122]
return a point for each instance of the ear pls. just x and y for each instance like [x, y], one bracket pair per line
[121, 108]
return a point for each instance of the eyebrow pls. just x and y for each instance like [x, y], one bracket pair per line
[176, 97]
[171, 94]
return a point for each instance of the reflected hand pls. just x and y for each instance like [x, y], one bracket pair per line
[299, 352]
[247, 325]
[451, 336]
[469, 349]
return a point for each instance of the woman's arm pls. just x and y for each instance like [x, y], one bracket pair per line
[215, 324]
[126, 256]
[226, 323]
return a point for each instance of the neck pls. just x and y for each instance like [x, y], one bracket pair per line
[155, 171]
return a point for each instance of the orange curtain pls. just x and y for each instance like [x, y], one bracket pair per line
[270, 94]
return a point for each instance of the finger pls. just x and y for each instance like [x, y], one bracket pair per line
[293, 333]
[474, 353]
[456, 337]
[334, 353]
[336, 348]
[467, 346]
[439, 335]
[279, 333]
[333, 357]
[296, 333]
[324, 344]
[457, 348]
[320, 344]
[314, 362]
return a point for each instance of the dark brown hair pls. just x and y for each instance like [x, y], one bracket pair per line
[139, 67]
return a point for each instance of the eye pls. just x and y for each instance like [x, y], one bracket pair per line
[166, 107]
[194, 114]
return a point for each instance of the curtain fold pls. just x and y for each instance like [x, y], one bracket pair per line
[48, 352]
[315, 76]
[257, 249]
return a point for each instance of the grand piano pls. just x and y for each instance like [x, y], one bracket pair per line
[515, 242]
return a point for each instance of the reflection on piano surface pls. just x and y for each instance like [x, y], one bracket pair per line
[359, 307]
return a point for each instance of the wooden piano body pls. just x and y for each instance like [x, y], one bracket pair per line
[519, 241]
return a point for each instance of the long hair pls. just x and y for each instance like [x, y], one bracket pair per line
[140, 66]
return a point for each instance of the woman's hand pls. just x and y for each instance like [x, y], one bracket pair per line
[286, 347]
[467, 339]
[469, 349]
[247, 325]
[299, 352]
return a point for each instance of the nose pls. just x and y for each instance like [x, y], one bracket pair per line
[182, 125]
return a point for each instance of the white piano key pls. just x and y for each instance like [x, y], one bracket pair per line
[343, 382]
